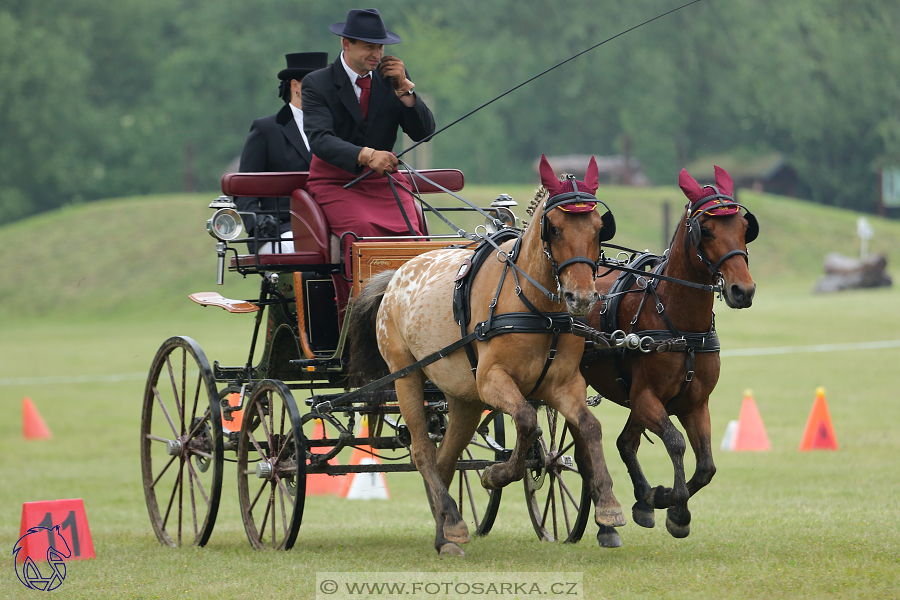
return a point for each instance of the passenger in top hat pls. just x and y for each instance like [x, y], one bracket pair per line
[278, 143]
[353, 110]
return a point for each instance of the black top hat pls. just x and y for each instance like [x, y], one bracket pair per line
[301, 64]
[365, 25]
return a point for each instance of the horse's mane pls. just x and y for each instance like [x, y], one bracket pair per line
[540, 194]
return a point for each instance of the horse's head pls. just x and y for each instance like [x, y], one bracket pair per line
[718, 234]
[572, 230]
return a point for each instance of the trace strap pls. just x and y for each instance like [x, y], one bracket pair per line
[328, 405]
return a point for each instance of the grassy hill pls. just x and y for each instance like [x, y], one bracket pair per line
[143, 255]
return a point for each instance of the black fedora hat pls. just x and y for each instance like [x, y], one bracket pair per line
[365, 25]
[301, 64]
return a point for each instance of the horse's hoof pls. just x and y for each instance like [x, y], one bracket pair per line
[609, 517]
[451, 549]
[486, 482]
[643, 515]
[458, 533]
[607, 537]
[676, 530]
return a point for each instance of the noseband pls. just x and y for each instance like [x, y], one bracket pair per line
[573, 197]
[693, 235]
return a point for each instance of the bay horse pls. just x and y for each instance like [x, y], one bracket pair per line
[408, 315]
[709, 248]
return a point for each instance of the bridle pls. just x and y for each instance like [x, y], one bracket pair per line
[693, 234]
[574, 197]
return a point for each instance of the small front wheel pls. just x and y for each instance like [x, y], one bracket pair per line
[271, 467]
[559, 503]
[477, 505]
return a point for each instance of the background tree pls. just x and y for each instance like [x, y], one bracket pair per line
[107, 99]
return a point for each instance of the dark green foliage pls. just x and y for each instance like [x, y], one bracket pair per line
[105, 99]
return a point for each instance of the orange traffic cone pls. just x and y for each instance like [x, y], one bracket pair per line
[320, 484]
[33, 426]
[365, 486]
[819, 434]
[751, 434]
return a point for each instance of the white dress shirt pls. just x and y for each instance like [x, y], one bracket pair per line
[298, 118]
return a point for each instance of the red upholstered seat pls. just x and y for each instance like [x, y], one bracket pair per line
[311, 231]
[312, 237]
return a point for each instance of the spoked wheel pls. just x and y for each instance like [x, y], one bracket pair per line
[559, 504]
[271, 467]
[181, 444]
[477, 505]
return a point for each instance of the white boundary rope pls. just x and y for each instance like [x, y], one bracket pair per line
[64, 379]
[814, 348]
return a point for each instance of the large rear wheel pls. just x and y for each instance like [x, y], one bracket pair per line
[559, 504]
[271, 467]
[181, 444]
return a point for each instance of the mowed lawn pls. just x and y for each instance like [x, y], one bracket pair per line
[776, 524]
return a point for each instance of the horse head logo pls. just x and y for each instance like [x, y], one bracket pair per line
[29, 573]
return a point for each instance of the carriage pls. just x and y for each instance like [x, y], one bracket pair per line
[666, 364]
[199, 415]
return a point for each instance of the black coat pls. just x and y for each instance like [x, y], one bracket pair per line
[334, 123]
[273, 144]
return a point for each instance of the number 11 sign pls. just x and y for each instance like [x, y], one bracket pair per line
[73, 525]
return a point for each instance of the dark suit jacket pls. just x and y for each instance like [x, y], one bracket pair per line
[273, 144]
[334, 123]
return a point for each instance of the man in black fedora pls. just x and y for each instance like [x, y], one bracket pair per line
[353, 110]
[279, 143]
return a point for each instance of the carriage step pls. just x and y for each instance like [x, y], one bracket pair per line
[217, 299]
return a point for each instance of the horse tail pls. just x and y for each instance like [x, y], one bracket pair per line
[366, 363]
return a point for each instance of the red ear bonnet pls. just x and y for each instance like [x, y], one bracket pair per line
[696, 195]
[556, 187]
[548, 177]
[723, 181]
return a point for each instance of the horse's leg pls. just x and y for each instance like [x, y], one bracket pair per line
[697, 427]
[607, 536]
[651, 413]
[500, 391]
[570, 402]
[628, 443]
[410, 396]
[696, 424]
[462, 420]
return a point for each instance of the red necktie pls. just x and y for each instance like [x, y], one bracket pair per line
[365, 86]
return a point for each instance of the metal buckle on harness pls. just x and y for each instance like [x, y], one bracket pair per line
[688, 376]
[552, 354]
[660, 308]
[604, 306]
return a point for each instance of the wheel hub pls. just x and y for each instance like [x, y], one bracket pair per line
[174, 447]
[264, 470]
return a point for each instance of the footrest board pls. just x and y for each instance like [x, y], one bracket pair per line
[217, 299]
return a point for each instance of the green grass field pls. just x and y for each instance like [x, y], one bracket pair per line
[94, 290]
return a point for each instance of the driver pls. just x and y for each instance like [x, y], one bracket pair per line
[352, 112]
